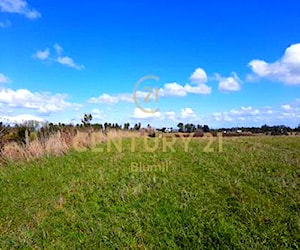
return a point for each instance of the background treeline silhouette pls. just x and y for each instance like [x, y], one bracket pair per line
[31, 130]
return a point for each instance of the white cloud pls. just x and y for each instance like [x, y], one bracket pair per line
[286, 69]
[20, 7]
[228, 84]
[21, 118]
[97, 114]
[4, 78]
[63, 60]
[198, 77]
[245, 111]
[68, 61]
[173, 89]
[201, 89]
[140, 114]
[96, 111]
[187, 113]
[58, 48]
[42, 55]
[198, 86]
[170, 115]
[104, 98]
[113, 99]
[169, 89]
[40, 102]
[127, 97]
[286, 107]
[259, 116]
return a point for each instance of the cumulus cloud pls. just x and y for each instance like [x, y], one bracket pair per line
[242, 114]
[97, 114]
[19, 119]
[187, 113]
[44, 55]
[140, 114]
[113, 99]
[184, 115]
[291, 110]
[19, 7]
[4, 78]
[245, 111]
[199, 76]
[202, 89]
[40, 102]
[264, 115]
[229, 84]
[286, 107]
[68, 61]
[104, 98]
[199, 79]
[286, 69]
[173, 89]
[170, 115]
[58, 48]
[197, 85]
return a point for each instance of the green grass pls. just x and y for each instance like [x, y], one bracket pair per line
[246, 197]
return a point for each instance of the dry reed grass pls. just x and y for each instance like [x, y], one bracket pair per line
[61, 142]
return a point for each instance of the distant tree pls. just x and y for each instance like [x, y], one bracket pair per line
[180, 126]
[2, 129]
[126, 126]
[199, 126]
[193, 128]
[137, 126]
[105, 126]
[206, 129]
[87, 120]
[98, 126]
[187, 128]
[190, 128]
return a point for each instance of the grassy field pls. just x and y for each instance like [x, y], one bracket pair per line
[246, 197]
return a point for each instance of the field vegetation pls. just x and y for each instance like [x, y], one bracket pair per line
[245, 196]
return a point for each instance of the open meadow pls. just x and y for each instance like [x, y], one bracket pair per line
[243, 194]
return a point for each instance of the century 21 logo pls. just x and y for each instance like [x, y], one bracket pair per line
[148, 93]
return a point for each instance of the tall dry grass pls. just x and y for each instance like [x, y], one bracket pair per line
[60, 143]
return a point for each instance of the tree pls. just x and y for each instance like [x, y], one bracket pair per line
[180, 126]
[105, 126]
[126, 126]
[199, 126]
[2, 129]
[87, 120]
[206, 129]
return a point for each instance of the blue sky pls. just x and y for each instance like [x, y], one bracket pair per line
[222, 63]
